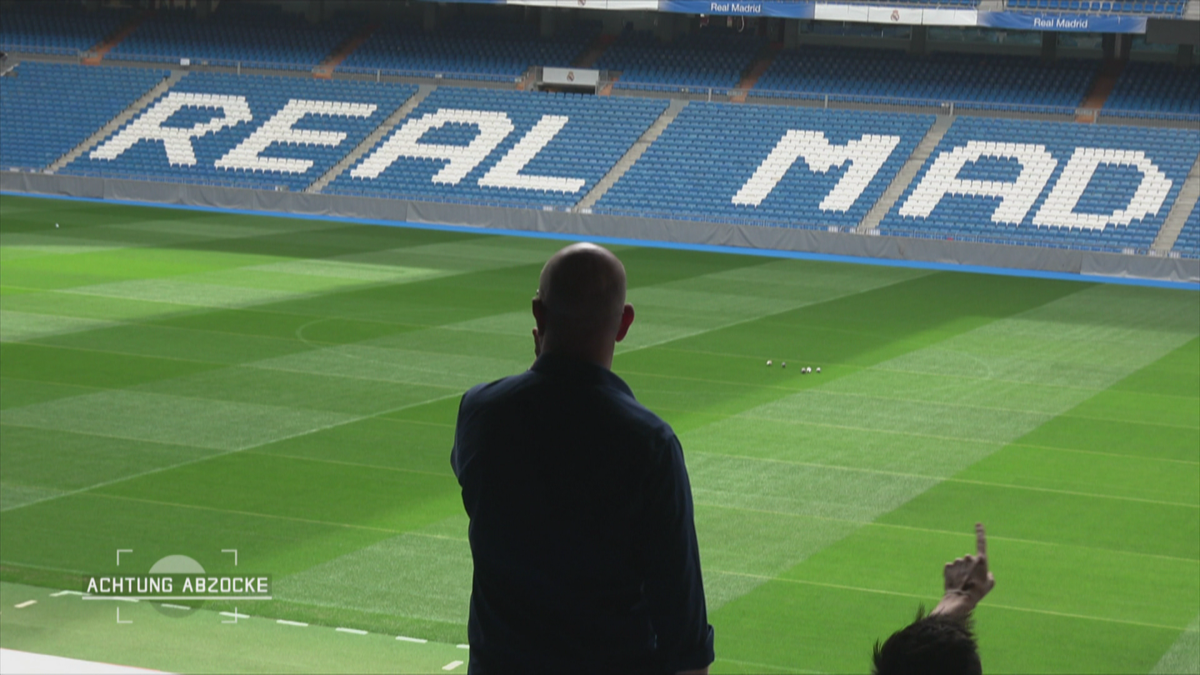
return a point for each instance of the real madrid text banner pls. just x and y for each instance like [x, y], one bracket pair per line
[790, 10]
[1064, 22]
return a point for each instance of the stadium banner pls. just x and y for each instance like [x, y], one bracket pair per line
[949, 17]
[895, 15]
[825, 12]
[913, 17]
[571, 77]
[1074, 23]
[787, 10]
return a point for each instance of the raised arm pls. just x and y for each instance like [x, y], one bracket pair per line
[967, 580]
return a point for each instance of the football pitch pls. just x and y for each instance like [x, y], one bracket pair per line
[186, 382]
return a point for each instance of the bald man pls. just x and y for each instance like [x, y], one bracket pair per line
[581, 512]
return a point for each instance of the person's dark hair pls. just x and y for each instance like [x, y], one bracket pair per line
[931, 645]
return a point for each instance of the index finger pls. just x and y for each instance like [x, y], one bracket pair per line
[980, 540]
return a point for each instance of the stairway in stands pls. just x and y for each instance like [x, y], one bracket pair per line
[908, 172]
[372, 139]
[631, 157]
[116, 122]
[1189, 194]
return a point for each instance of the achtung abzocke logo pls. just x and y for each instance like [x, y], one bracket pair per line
[178, 577]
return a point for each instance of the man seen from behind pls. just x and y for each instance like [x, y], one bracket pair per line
[581, 529]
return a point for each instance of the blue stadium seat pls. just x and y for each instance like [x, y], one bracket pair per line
[990, 82]
[48, 109]
[713, 58]
[1154, 89]
[43, 27]
[246, 33]
[1188, 242]
[467, 50]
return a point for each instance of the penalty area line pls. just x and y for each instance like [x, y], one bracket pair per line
[25, 604]
[452, 665]
[352, 631]
[405, 638]
[285, 622]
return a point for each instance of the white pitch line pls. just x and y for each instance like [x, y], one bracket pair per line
[62, 593]
[452, 665]
[352, 631]
[25, 604]
[285, 622]
[463, 646]
[170, 606]
[404, 638]
[235, 615]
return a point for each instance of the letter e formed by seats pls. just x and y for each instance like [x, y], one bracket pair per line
[177, 141]
[280, 129]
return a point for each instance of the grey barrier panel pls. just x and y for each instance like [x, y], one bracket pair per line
[594, 225]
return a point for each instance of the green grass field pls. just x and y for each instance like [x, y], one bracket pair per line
[179, 382]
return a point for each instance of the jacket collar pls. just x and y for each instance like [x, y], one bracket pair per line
[558, 366]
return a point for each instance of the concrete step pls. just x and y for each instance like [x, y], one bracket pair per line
[594, 51]
[1102, 87]
[631, 157]
[340, 53]
[1189, 194]
[97, 53]
[750, 78]
[116, 122]
[384, 128]
[907, 172]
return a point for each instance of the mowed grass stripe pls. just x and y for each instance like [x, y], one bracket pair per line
[814, 614]
[1129, 590]
[807, 494]
[1183, 657]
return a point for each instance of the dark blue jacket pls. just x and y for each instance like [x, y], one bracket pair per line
[581, 528]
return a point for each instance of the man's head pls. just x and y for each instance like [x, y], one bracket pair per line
[580, 304]
[931, 645]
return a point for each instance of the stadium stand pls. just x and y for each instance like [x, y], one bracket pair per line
[1119, 207]
[1188, 243]
[467, 50]
[713, 58]
[246, 33]
[43, 28]
[244, 145]
[969, 80]
[1155, 90]
[595, 133]
[1161, 8]
[47, 109]
[702, 166]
